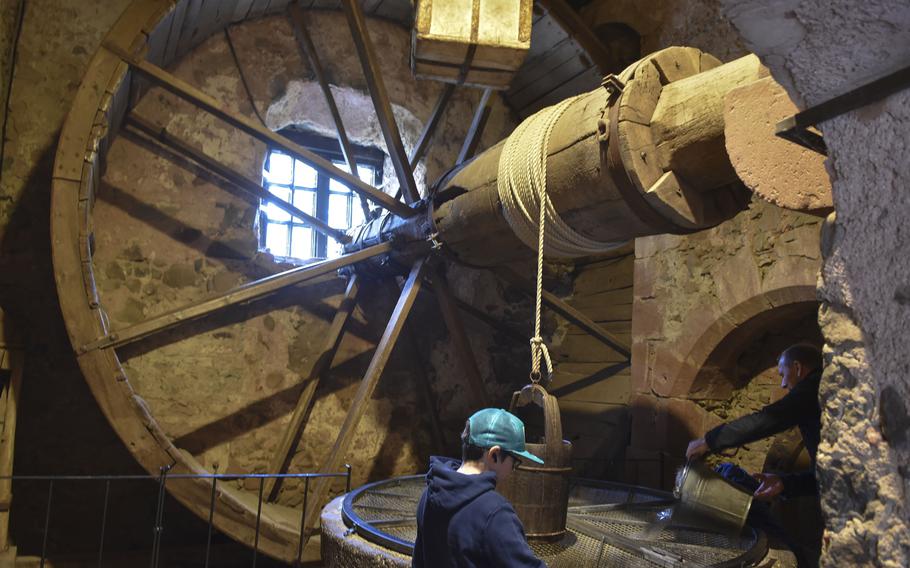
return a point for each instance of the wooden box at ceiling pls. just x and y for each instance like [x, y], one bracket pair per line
[475, 42]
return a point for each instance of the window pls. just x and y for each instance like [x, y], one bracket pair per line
[314, 193]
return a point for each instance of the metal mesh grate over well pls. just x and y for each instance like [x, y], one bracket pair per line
[609, 524]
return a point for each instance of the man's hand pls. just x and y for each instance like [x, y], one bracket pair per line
[697, 448]
[771, 486]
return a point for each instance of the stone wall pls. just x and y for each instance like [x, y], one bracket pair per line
[711, 313]
[819, 49]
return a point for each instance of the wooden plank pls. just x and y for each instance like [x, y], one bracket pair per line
[586, 348]
[190, 93]
[478, 123]
[611, 275]
[236, 178]
[611, 384]
[568, 312]
[245, 293]
[459, 338]
[365, 392]
[578, 29]
[381, 102]
[281, 459]
[587, 80]
[305, 43]
[401, 11]
[540, 68]
[257, 9]
[157, 39]
[277, 6]
[607, 298]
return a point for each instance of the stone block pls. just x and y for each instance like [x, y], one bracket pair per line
[776, 169]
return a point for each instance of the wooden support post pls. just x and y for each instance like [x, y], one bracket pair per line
[236, 178]
[305, 42]
[421, 378]
[569, 20]
[568, 312]
[481, 114]
[190, 93]
[289, 442]
[459, 338]
[365, 392]
[381, 101]
[241, 294]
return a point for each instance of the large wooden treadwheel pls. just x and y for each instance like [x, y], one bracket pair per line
[146, 38]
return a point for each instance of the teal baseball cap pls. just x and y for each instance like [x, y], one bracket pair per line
[496, 427]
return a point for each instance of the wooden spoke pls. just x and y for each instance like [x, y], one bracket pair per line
[459, 338]
[245, 293]
[477, 125]
[298, 22]
[429, 128]
[233, 176]
[568, 312]
[569, 20]
[418, 367]
[190, 93]
[380, 98]
[291, 439]
[485, 318]
[365, 391]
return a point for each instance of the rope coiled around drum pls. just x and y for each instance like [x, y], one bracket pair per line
[522, 188]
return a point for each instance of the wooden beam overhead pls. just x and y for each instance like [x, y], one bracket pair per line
[305, 42]
[245, 293]
[236, 178]
[195, 96]
[381, 101]
[569, 20]
[478, 123]
[365, 392]
[281, 459]
[568, 312]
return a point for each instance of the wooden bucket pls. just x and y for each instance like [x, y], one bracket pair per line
[540, 493]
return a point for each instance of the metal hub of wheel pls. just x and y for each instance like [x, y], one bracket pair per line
[610, 524]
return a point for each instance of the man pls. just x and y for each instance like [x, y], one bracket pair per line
[800, 368]
[461, 520]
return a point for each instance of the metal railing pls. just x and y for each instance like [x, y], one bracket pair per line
[162, 479]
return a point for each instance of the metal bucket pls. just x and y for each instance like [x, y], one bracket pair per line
[540, 493]
[705, 492]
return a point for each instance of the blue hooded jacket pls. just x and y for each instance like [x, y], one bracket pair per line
[463, 522]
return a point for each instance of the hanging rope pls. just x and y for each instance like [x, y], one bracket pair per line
[522, 187]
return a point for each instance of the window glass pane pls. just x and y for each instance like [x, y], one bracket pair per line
[337, 186]
[338, 211]
[279, 168]
[271, 210]
[302, 242]
[304, 175]
[333, 249]
[356, 212]
[276, 239]
[366, 173]
[305, 201]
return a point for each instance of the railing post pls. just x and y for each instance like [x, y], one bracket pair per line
[107, 493]
[47, 521]
[306, 496]
[258, 517]
[208, 540]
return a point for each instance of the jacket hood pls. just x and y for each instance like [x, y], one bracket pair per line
[449, 490]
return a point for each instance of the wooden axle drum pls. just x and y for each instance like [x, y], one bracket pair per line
[540, 493]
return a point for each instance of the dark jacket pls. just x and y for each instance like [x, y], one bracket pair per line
[798, 408]
[463, 522]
